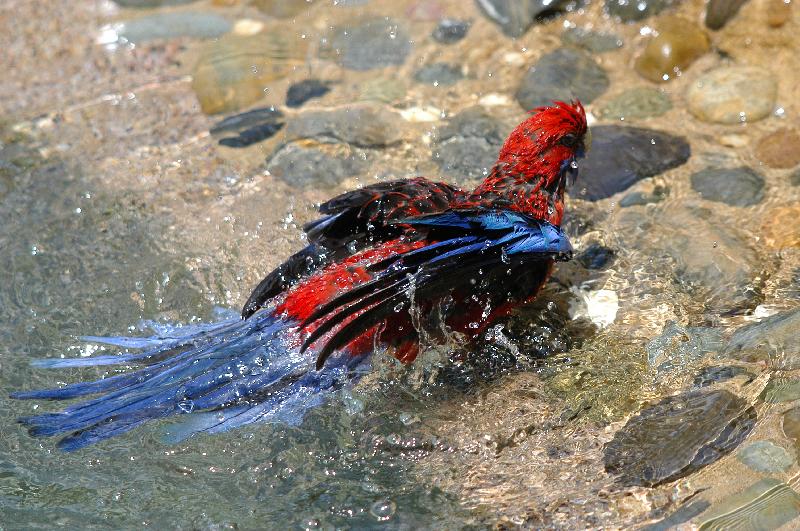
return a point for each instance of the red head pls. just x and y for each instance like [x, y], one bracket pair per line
[535, 161]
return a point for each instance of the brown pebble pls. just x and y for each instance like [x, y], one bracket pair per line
[778, 12]
[780, 149]
[678, 44]
[780, 227]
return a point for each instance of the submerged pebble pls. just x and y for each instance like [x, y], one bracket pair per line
[780, 149]
[563, 74]
[593, 41]
[305, 90]
[248, 128]
[679, 346]
[173, 25]
[780, 390]
[450, 30]
[634, 10]
[711, 375]
[677, 436]
[775, 338]
[515, 16]
[764, 456]
[733, 94]
[468, 145]
[151, 3]
[780, 227]
[302, 166]
[678, 44]
[621, 156]
[376, 43]
[362, 125]
[383, 89]
[439, 74]
[790, 423]
[740, 186]
[719, 12]
[768, 504]
[636, 103]
[778, 12]
[282, 8]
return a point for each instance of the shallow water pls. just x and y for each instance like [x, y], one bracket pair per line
[117, 206]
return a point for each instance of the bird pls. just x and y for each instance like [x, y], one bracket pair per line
[387, 267]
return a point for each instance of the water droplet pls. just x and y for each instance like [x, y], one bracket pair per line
[187, 406]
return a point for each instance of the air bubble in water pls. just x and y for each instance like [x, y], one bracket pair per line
[383, 510]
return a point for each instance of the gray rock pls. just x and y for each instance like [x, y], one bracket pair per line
[151, 3]
[362, 125]
[474, 122]
[767, 504]
[764, 456]
[641, 198]
[677, 436]
[302, 166]
[450, 30]
[172, 25]
[305, 90]
[248, 128]
[633, 10]
[711, 375]
[515, 16]
[563, 74]
[677, 346]
[719, 12]
[775, 338]
[636, 103]
[594, 41]
[439, 74]
[794, 178]
[377, 43]
[468, 145]
[732, 95]
[621, 156]
[740, 186]
[779, 390]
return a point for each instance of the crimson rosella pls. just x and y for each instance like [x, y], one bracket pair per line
[386, 265]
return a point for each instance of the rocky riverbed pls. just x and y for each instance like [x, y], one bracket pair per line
[157, 157]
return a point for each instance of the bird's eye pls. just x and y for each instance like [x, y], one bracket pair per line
[569, 140]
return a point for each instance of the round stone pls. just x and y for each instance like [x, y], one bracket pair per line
[733, 94]
[741, 186]
[635, 103]
[678, 44]
[780, 227]
[376, 43]
[780, 149]
[764, 456]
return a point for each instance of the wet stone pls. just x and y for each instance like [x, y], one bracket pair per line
[679, 346]
[305, 90]
[680, 516]
[248, 128]
[449, 30]
[639, 199]
[151, 3]
[767, 504]
[780, 227]
[173, 25]
[636, 103]
[596, 256]
[774, 338]
[302, 166]
[515, 16]
[780, 149]
[779, 390]
[382, 89]
[377, 43]
[677, 436]
[794, 178]
[621, 156]
[439, 74]
[790, 423]
[764, 456]
[633, 10]
[563, 74]
[778, 12]
[362, 125]
[711, 375]
[593, 41]
[468, 145]
[740, 186]
[282, 8]
[678, 44]
[733, 94]
[719, 12]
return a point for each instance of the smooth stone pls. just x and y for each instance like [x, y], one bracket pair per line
[678, 44]
[790, 423]
[151, 3]
[621, 156]
[233, 71]
[639, 199]
[302, 166]
[780, 390]
[778, 12]
[764, 456]
[282, 8]
[794, 178]
[711, 375]
[682, 515]
[563, 74]
[596, 256]
[677, 436]
[733, 94]
[719, 12]
[172, 25]
[382, 89]
[468, 145]
[634, 10]
[679, 346]
[636, 103]
[362, 125]
[593, 41]
[767, 504]
[740, 186]
[515, 16]
[305, 90]
[449, 30]
[780, 227]
[248, 128]
[439, 74]
[775, 338]
[780, 149]
[376, 43]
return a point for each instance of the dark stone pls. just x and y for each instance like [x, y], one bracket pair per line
[468, 145]
[633, 10]
[249, 127]
[677, 436]
[363, 125]
[515, 16]
[740, 186]
[377, 43]
[776, 339]
[563, 74]
[439, 74]
[711, 375]
[637, 199]
[596, 256]
[794, 178]
[305, 90]
[450, 30]
[593, 41]
[301, 166]
[621, 156]
[719, 12]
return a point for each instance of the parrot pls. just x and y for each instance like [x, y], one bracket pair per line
[387, 268]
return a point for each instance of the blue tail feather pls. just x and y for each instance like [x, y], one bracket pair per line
[218, 376]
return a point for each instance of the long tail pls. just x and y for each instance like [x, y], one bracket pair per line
[219, 376]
